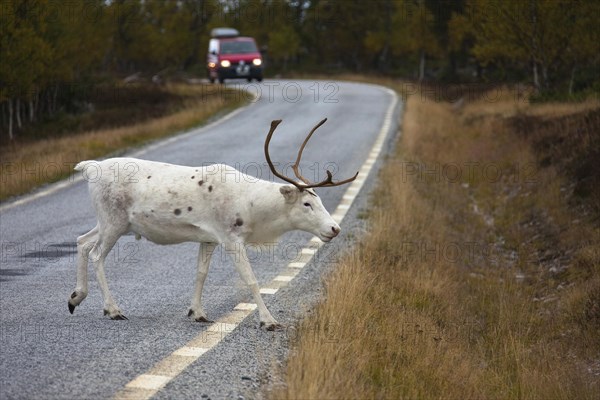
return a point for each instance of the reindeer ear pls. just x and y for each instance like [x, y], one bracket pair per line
[289, 192]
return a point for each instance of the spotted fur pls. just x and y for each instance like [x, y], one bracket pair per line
[261, 212]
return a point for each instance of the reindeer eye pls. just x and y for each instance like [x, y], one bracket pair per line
[307, 205]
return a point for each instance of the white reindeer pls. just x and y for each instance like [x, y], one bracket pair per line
[170, 204]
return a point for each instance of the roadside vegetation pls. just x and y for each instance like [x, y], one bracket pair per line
[60, 60]
[479, 276]
[50, 47]
[122, 117]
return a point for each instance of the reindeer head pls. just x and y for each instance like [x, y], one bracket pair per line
[307, 212]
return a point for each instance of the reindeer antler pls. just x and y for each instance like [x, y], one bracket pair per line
[328, 182]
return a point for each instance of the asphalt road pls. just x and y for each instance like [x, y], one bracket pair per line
[47, 353]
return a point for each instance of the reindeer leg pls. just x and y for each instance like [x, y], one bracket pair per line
[107, 240]
[240, 259]
[84, 246]
[204, 256]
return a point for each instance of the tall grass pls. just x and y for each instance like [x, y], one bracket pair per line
[30, 164]
[473, 287]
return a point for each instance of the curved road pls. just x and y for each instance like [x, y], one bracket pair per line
[47, 353]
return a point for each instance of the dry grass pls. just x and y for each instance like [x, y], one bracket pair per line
[30, 164]
[481, 286]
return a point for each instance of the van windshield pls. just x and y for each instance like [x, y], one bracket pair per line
[237, 47]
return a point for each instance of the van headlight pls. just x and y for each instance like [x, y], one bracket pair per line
[225, 63]
[257, 61]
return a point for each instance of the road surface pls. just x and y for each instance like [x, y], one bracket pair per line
[47, 353]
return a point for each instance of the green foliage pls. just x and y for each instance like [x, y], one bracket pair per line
[47, 47]
[284, 44]
[23, 25]
[550, 38]
[414, 29]
[414, 34]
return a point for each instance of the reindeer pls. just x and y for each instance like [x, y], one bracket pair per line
[169, 204]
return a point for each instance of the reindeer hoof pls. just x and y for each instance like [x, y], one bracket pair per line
[272, 326]
[74, 301]
[116, 316]
[200, 318]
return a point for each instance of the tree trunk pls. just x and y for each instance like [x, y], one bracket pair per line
[48, 102]
[421, 65]
[383, 56]
[18, 113]
[534, 45]
[54, 99]
[545, 76]
[356, 61]
[571, 80]
[31, 114]
[10, 120]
